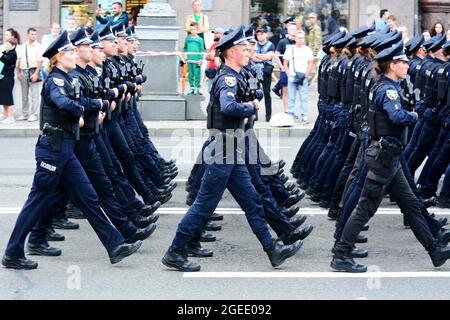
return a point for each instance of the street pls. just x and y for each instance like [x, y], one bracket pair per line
[399, 268]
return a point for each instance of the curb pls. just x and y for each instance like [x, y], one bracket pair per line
[169, 132]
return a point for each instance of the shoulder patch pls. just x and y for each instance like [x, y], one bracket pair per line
[392, 94]
[230, 81]
[59, 82]
[99, 71]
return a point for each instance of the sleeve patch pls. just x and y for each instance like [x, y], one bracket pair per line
[392, 94]
[230, 81]
[59, 82]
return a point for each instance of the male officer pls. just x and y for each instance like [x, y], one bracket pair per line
[226, 114]
[387, 122]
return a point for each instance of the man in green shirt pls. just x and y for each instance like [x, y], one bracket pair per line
[194, 43]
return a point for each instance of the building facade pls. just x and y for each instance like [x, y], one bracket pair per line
[416, 15]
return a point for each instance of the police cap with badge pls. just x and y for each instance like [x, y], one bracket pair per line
[439, 41]
[105, 33]
[119, 30]
[130, 34]
[232, 39]
[361, 32]
[394, 53]
[414, 44]
[96, 44]
[79, 38]
[62, 43]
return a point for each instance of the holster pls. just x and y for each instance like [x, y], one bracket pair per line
[55, 136]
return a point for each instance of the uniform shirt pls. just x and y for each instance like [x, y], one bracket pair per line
[31, 53]
[412, 67]
[94, 104]
[387, 98]
[226, 91]
[55, 94]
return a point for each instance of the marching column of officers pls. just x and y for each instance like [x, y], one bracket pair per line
[94, 153]
[380, 115]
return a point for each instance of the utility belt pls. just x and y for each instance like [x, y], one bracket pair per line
[236, 137]
[392, 148]
[55, 136]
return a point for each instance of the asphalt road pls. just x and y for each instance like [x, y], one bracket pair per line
[399, 267]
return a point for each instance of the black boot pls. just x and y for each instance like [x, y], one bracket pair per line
[443, 236]
[298, 220]
[18, 263]
[144, 222]
[43, 249]
[333, 213]
[148, 210]
[298, 234]
[64, 224]
[142, 234]
[52, 235]
[199, 252]
[344, 262]
[207, 237]
[216, 217]
[179, 261]
[123, 251]
[213, 227]
[440, 255]
[279, 253]
[292, 211]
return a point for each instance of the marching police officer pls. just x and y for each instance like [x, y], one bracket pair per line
[226, 114]
[387, 122]
[61, 118]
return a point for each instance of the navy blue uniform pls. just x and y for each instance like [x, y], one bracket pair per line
[384, 171]
[61, 167]
[218, 176]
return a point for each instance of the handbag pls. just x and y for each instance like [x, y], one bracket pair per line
[299, 76]
[268, 68]
[210, 73]
[31, 71]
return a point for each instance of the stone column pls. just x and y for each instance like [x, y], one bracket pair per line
[158, 31]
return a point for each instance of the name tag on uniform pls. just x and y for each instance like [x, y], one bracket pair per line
[47, 166]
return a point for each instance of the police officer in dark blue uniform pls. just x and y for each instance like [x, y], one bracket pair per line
[61, 118]
[226, 114]
[388, 121]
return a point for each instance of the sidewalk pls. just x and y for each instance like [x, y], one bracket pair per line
[170, 128]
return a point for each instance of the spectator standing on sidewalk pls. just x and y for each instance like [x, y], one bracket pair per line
[8, 60]
[47, 39]
[213, 57]
[279, 52]
[199, 18]
[265, 50]
[29, 67]
[298, 62]
[381, 24]
[194, 43]
[392, 23]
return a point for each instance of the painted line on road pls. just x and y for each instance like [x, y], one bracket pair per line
[237, 211]
[317, 275]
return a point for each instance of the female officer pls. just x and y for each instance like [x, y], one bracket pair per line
[61, 117]
[387, 121]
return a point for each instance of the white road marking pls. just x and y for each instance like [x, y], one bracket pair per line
[317, 275]
[237, 211]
